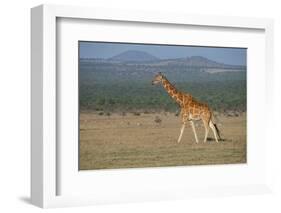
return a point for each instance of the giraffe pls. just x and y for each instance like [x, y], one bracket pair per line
[191, 109]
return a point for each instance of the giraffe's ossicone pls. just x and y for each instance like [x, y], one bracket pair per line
[191, 109]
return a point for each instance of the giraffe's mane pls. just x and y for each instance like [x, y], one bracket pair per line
[165, 78]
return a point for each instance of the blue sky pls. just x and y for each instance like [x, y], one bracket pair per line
[235, 56]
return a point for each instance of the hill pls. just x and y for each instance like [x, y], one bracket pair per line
[133, 56]
[120, 68]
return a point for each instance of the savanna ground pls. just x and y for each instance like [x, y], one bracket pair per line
[150, 140]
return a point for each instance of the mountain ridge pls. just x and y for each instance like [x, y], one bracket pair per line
[134, 56]
[142, 57]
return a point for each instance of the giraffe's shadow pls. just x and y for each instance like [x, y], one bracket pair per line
[213, 139]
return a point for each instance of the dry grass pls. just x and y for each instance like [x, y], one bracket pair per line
[116, 141]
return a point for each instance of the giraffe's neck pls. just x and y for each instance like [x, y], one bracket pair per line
[172, 91]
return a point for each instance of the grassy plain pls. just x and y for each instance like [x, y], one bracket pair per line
[150, 140]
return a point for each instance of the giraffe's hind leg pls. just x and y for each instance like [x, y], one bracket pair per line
[212, 126]
[206, 129]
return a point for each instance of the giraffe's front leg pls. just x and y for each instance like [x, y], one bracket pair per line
[184, 117]
[182, 129]
[194, 131]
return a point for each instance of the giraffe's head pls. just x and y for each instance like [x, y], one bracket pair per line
[157, 78]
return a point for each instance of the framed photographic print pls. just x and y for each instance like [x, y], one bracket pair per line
[130, 106]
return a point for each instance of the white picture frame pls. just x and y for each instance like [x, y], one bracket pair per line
[44, 150]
